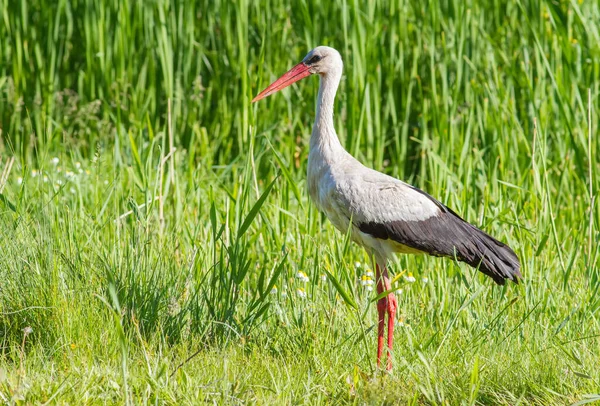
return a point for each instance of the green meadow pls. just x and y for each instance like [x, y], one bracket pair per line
[157, 242]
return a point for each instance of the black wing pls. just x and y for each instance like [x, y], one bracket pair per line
[448, 235]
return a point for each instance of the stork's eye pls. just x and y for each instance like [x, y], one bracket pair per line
[313, 60]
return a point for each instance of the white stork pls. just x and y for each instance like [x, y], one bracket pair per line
[387, 215]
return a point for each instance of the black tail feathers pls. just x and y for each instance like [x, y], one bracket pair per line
[490, 256]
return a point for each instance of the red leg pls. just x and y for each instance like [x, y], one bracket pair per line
[389, 304]
[381, 309]
[392, 306]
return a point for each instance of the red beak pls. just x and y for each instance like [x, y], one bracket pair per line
[298, 72]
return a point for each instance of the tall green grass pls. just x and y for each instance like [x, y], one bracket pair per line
[157, 260]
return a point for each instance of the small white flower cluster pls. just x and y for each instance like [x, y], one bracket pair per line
[410, 278]
[301, 293]
[68, 175]
[274, 291]
[367, 281]
[302, 276]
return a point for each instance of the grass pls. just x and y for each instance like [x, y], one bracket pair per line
[156, 259]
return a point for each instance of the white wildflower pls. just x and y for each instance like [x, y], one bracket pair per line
[301, 292]
[77, 165]
[55, 161]
[20, 180]
[425, 279]
[302, 276]
[34, 173]
[274, 290]
[366, 280]
[410, 278]
[324, 277]
[357, 265]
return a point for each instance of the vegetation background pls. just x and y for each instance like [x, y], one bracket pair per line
[157, 244]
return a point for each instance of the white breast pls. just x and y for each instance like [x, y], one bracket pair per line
[325, 183]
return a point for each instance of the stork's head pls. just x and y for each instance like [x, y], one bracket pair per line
[322, 60]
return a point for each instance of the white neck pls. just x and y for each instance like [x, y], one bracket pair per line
[324, 137]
